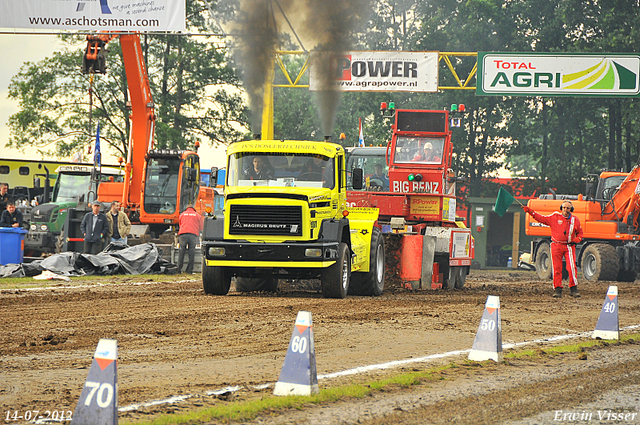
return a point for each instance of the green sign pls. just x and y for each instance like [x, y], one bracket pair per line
[558, 74]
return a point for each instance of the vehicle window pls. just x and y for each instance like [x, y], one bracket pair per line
[281, 170]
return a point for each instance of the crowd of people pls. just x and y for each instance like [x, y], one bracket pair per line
[101, 228]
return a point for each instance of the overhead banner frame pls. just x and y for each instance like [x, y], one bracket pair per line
[558, 74]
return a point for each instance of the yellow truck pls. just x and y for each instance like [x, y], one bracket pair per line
[285, 217]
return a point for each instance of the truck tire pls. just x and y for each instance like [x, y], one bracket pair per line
[335, 279]
[544, 267]
[600, 262]
[251, 284]
[216, 280]
[371, 282]
[626, 276]
[462, 277]
[451, 278]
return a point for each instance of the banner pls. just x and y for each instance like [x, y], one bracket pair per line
[558, 74]
[376, 71]
[94, 15]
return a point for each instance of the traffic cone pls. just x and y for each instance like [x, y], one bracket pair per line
[488, 342]
[98, 403]
[608, 326]
[299, 375]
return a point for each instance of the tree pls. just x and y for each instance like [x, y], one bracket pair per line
[194, 88]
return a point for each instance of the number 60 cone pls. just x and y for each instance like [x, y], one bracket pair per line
[98, 403]
[299, 375]
[488, 342]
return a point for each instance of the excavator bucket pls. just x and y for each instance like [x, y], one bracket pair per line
[94, 60]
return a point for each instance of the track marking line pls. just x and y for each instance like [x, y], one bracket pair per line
[368, 368]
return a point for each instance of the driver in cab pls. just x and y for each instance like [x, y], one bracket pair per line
[428, 154]
[260, 170]
[317, 169]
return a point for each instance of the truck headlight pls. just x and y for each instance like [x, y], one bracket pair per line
[44, 227]
[216, 252]
[33, 227]
[313, 252]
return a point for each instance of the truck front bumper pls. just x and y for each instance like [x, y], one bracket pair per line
[43, 241]
[282, 255]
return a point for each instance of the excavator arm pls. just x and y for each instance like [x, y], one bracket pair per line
[142, 107]
[625, 203]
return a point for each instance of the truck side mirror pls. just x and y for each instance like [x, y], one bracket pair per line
[213, 178]
[357, 178]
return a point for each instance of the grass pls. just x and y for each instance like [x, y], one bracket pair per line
[249, 409]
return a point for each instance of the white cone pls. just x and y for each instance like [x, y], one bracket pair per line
[98, 403]
[608, 326]
[299, 375]
[488, 342]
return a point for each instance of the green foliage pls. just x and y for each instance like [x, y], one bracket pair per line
[193, 86]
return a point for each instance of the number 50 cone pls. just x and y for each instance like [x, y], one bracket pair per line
[488, 342]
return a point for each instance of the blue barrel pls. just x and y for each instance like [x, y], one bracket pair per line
[11, 245]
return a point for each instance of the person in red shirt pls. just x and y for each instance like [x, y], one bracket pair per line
[190, 227]
[566, 232]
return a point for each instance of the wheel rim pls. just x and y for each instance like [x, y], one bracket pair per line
[589, 266]
[545, 262]
[379, 265]
[345, 274]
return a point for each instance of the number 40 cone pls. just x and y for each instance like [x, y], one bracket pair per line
[488, 342]
[608, 326]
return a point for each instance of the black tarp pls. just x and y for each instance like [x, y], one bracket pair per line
[117, 258]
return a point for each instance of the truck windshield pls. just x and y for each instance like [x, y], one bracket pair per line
[72, 187]
[373, 166]
[161, 185]
[280, 170]
[420, 150]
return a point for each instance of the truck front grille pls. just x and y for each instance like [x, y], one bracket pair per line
[270, 220]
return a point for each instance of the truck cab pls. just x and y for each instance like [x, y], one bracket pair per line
[285, 216]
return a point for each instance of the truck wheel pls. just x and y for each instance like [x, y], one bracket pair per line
[371, 282]
[462, 277]
[250, 284]
[216, 280]
[544, 266]
[452, 281]
[335, 279]
[600, 262]
[626, 276]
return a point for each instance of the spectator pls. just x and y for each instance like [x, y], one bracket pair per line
[261, 170]
[95, 229]
[4, 196]
[119, 223]
[190, 227]
[11, 217]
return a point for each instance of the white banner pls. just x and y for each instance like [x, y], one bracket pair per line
[377, 71]
[94, 15]
[558, 74]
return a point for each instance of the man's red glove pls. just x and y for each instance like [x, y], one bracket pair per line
[526, 209]
[576, 240]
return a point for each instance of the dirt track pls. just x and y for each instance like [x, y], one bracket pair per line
[174, 340]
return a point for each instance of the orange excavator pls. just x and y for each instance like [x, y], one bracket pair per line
[608, 213]
[158, 183]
